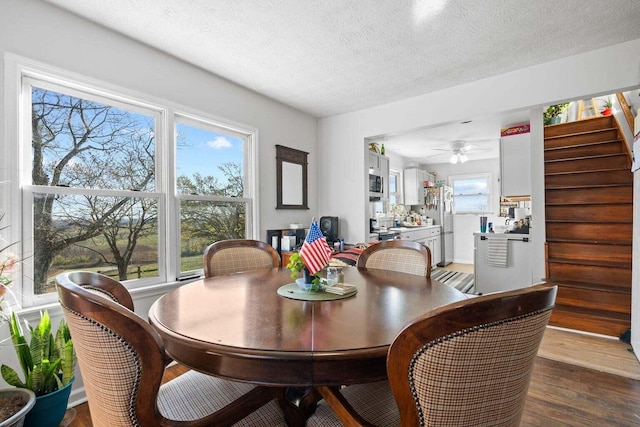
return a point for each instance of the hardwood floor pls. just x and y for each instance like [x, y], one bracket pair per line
[463, 268]
[560, 393]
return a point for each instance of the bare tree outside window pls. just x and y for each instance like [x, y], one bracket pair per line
[82, 144]
[96, 205]
[212, 206]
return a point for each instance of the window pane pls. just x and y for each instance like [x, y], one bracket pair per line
[85, 144]
[475, 203]
[470, 186]
[203, 223]
[209, 162]
[392, 184]
[471, 193]
[115, 236]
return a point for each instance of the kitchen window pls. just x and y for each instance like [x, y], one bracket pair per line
[471, 193]
[108, 189]
[394, 193]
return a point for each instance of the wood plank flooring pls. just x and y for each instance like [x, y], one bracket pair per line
[560, 393]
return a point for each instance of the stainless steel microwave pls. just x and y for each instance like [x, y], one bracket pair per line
[376, 187]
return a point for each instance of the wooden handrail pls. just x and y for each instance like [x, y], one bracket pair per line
[625, 109]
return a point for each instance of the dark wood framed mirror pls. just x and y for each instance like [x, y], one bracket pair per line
[291, 178]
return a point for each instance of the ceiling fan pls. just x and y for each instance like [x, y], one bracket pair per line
[459, 149]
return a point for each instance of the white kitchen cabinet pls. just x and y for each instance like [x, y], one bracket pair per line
[515, 164]
[435, 245]
[379, 164]
[517, 273]
[413, 185]
[428, 236]
[433, 242]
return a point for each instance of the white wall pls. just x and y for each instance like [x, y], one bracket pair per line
[43, 33]
[601, 71]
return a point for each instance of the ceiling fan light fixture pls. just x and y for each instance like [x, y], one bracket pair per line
[463, 158]
[454, 159]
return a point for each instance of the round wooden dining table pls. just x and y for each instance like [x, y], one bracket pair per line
[238, 327]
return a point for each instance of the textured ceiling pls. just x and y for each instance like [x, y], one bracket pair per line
[334, 56]
[329, 57]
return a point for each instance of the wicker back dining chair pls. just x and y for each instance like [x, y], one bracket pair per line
[234, 256]
[397, 255]
[465, 364]
[122, 361]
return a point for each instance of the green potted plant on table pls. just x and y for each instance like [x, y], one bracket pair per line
[47, 363]
[296, 265]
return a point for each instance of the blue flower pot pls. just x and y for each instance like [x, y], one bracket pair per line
[49, 409]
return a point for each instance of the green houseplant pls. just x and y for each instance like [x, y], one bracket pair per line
[296, 265]
[552, 114]
[607, 107]
[47, 363]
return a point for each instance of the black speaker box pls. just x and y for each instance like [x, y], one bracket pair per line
[329, 227]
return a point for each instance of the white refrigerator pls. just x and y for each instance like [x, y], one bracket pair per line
[438, 203]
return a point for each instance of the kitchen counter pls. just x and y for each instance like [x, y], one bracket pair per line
[419, 227]
[490, 276]
[512, 236]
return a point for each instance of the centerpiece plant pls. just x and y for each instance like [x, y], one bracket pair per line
[313, 257]
[296, 265]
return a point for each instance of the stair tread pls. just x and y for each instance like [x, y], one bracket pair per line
[585, 144]
[592, 312]
[590, 286]
[612, 264]
[601, 311]
[576, 187]
[589, 171]
[597, 156]
[577, 221]
[588, 204]
[587, 132]
[590, 241]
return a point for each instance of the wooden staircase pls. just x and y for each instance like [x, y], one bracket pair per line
[589, 221]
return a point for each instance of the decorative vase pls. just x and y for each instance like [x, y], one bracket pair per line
[308, 277]
[28, 400]
[555, 120]
[607, 112]
[50, 408]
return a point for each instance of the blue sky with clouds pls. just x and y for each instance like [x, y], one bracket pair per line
[202, 150]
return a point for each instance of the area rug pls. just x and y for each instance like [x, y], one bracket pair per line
[461, 281]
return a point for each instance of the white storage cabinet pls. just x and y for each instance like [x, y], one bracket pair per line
[380, 166]
[515, 165]
[413, 185]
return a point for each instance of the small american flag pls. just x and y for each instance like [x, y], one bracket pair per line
[315, 251]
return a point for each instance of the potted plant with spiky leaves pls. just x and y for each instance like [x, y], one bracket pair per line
[607, 107]
[47, 364]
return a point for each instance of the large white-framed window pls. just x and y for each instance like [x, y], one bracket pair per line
[131, 187]
[471, 193]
